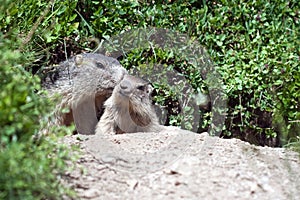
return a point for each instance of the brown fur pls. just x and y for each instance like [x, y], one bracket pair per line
[129, 109]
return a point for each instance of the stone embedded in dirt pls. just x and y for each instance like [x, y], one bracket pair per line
[132, 183]
[91, 193]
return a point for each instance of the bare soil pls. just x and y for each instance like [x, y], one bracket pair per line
[177, 164]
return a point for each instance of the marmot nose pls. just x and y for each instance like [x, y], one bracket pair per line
[125, 85]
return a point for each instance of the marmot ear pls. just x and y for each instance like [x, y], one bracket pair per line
[149, 89]
[78, 60]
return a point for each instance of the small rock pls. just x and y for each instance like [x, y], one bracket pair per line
[132, 184]
[91, 193]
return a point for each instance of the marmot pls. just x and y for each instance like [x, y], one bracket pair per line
[129, 109]
[84, 83]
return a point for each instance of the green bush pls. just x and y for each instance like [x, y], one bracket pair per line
[31, 171]
[256, 48]
[30, 167]
[20, 107]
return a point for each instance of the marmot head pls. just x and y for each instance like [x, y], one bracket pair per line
[134, 90]
[110, 72]
[133, 95]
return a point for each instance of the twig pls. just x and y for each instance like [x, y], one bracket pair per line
[241, 110]
[294, 121]
[36, 24]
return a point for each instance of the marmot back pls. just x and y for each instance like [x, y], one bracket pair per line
[129, 109]
[84, 82]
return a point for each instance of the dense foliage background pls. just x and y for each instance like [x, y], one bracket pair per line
[29, 167]
[255, 46]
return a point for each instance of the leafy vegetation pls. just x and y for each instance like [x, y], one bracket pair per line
[254, 45]
[257, 45]
[30, 167]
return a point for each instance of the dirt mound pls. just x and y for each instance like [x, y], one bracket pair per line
[180, 164]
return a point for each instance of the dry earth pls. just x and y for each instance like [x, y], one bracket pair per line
[178, 164]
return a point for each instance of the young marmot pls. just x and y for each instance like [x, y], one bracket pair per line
[129, 109]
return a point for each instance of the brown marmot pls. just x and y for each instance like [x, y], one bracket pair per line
[84, 82]
[129, 109]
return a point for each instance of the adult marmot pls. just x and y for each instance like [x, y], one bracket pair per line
[84, 82]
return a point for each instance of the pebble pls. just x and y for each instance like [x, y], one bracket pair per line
[91, 193]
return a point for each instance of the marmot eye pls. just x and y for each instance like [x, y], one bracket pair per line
[141, 87]
[100, 65]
